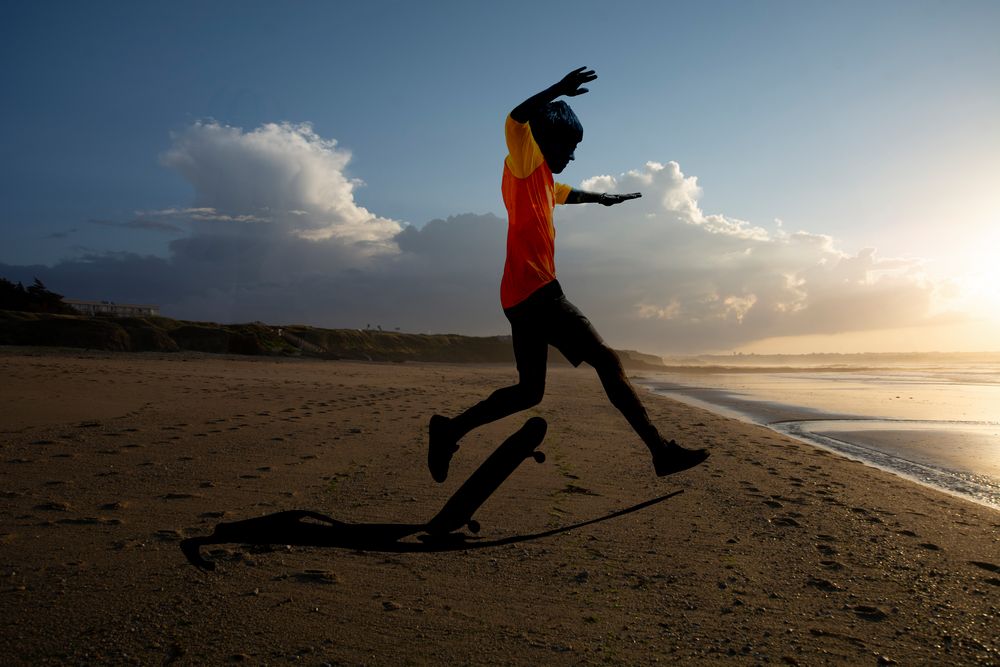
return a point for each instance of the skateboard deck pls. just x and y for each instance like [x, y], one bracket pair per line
[460, 508]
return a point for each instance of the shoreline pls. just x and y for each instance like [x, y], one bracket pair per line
[771, 551]
[895, 445]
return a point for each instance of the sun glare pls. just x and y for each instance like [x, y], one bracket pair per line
[980, 278]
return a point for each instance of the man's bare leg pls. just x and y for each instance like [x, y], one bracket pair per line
[668, 456]
[445, 433]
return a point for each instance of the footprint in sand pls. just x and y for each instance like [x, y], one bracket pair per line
[868, 516]
[824, 585]
[169, 535]
[824, 548]
[989, 567]
[315, 577]
[870, 613]
[90, 521]
[982, 565]
[54, 506]
[786, 521]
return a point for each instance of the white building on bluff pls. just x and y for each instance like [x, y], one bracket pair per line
[112, 308]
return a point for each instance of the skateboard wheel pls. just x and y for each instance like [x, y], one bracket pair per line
[474, 526]
[539, 457]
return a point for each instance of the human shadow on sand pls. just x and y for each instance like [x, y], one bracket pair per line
[306, 528]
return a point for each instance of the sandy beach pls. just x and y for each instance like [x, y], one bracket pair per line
[773, 552]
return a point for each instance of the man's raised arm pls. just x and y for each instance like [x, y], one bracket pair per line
[569, 85]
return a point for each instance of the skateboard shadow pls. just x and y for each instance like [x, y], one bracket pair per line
[312, 529]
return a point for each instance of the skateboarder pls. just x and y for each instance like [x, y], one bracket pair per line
[542, 135]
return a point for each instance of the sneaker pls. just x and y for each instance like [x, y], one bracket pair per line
[442, 447]
[671, 458]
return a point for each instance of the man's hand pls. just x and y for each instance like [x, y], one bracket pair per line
[584, 197]
[570, 85]
[611, 200]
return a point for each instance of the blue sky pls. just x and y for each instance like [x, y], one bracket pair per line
[874, 124]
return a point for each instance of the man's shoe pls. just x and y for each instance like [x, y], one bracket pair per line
[442, 447]
[671, 458]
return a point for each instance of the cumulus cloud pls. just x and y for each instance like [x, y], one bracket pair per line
[274, 234]
[281, 173]
[668, 275]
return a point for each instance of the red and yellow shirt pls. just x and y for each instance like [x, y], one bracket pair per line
[530, 195]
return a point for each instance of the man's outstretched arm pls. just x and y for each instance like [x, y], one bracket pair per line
[569, 85]
[584, 197]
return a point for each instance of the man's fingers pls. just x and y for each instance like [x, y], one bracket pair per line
[582, 74]
[578, 91]
[611, 200]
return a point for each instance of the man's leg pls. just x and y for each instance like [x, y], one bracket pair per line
[622, 394]
[576, 338]
[530, 354]
[668, 456]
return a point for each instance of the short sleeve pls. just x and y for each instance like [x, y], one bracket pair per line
[562, 192]
[523, 154]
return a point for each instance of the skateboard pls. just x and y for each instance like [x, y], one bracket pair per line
[458, 511]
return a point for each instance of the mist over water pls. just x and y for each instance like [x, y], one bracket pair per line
[932, 418]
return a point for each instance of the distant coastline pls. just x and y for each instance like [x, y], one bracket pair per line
[818, 361]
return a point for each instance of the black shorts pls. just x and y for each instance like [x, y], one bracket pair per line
[548, 318]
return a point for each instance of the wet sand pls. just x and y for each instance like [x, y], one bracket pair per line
[774, 551]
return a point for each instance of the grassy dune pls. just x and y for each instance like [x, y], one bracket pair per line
[162, 334]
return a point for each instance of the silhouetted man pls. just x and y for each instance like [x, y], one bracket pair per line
[542, 135]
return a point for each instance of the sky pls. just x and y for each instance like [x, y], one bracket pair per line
[815, 176]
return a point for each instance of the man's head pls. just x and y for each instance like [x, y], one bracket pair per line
[557, 132]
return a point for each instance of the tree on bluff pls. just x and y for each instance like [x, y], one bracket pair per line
[35, 299]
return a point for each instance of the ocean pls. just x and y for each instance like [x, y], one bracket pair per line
[930, 418]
